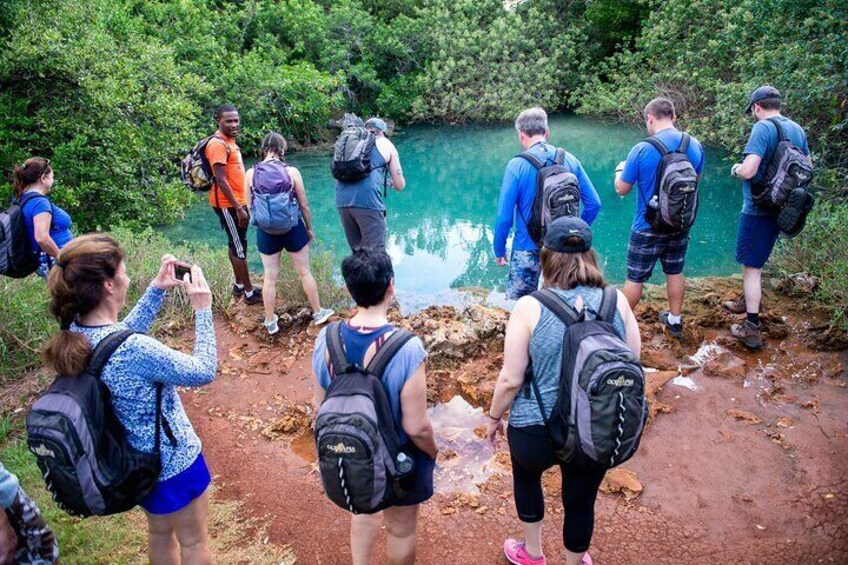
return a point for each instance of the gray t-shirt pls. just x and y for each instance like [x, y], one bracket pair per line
[546, 356]
[367, 193]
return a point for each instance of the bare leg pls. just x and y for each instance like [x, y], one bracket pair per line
[190, 527]
[533, 538]
[573, 558]
[241, 272]
[401, 524]
[675, 286]
[162, 548]
[363, 535]
[751, 281]
[300, 260]
[633, 292]
[271, 270]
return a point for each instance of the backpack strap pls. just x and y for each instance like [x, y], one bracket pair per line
[532, 159]
[657, 144]
[336, 350]
[377, 365]
[609, 303]
[561, 309]
[559, 156]
[781, 135]
[684, 143]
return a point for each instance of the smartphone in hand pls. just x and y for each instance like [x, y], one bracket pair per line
[181, 270]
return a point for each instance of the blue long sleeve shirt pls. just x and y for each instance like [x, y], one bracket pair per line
[139, 364]
[518, 190]
[8, 487]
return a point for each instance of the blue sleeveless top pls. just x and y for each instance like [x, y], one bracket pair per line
[367, 193]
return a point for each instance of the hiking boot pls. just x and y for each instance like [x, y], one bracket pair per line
[272, 326]
[254, 298]
[749, 334]
[674, 329]
[322, 316]
[517, 555]
[735, 306]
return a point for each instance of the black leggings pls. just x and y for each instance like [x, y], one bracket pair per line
[532, 455]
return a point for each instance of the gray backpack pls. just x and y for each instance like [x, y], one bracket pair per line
[557, 193]
[274, 208]
[17, 258]
[360, 460]
[786, 183]
[601, 408]
[674, 205]
[352, 154]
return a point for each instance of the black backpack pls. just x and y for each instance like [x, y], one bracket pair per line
[557, 194]
[359, 458]
[601, 408]
[674, 205]
[17, 258]
[195, 169]
[80, 447]
[352, 154]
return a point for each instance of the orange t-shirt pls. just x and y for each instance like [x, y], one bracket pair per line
[217, 153]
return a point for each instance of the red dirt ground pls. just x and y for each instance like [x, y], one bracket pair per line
[717, 487]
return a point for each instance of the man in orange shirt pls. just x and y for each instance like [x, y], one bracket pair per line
[227, 197]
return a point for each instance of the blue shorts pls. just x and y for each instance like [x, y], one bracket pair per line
[755, 239]
[292, 241]
[424, 467]
[647, 247]
[525, 267]
[177, 492]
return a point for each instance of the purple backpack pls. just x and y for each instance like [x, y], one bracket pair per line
[274, 207]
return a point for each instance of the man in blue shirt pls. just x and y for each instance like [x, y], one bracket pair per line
[518, 190]
[758, 228]
[647, 245]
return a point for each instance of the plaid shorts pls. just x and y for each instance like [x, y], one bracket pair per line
[525, 268]
[646, 247]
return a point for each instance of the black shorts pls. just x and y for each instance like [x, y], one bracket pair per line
[236, 236]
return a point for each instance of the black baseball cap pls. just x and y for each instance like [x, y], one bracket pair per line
[566, 228]
[762, 93]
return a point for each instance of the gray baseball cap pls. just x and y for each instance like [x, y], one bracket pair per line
[376, 123]
[565, 228]
[762, 93]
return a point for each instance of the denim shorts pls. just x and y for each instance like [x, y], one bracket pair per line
[292, 241]
[177, 492]
[525, 267]
[755, 239]
[647, 247]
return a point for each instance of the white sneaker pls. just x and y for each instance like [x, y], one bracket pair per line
[322, 316]
[272, 327]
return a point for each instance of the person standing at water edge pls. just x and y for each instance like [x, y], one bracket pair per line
[758, 228]
[534, 338]
[361, 206]
[369, 278]
[647, 244]
[227, 197]
[518, 191]
[287, 225]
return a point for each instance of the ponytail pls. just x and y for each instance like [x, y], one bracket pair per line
[75, 285]
[274, 143]
[29, 173]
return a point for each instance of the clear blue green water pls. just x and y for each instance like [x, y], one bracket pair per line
[440, 226]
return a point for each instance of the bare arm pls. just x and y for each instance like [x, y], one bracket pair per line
[748, 167]
[393, 163]
[248, 184]
[300, 191]
[621, 187]
[524, 318]
[631, 328]
[41, 223]
[416, 423]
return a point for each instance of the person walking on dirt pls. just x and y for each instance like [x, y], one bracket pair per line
[361, 202]
[88, 289]
[758, 228]
[648, 243]
[282, 222]
[227, 198]
[518, 191]
[534, 337]
[369, 278]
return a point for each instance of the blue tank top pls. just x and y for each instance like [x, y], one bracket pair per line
[546, 356]
[367, 193]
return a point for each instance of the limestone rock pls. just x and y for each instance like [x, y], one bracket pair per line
[725, 364]
[622, 480]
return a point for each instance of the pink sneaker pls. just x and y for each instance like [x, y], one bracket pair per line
[516, 554]
[587, 559]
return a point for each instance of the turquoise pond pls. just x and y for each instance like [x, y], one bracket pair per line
[440, 226]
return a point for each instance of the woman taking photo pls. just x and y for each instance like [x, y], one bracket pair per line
[534, 336]
[48, 226]
[88, 289]
[280, 210]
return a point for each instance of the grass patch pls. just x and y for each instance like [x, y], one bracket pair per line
[122, 538]
[25, 322]
[822, 251]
